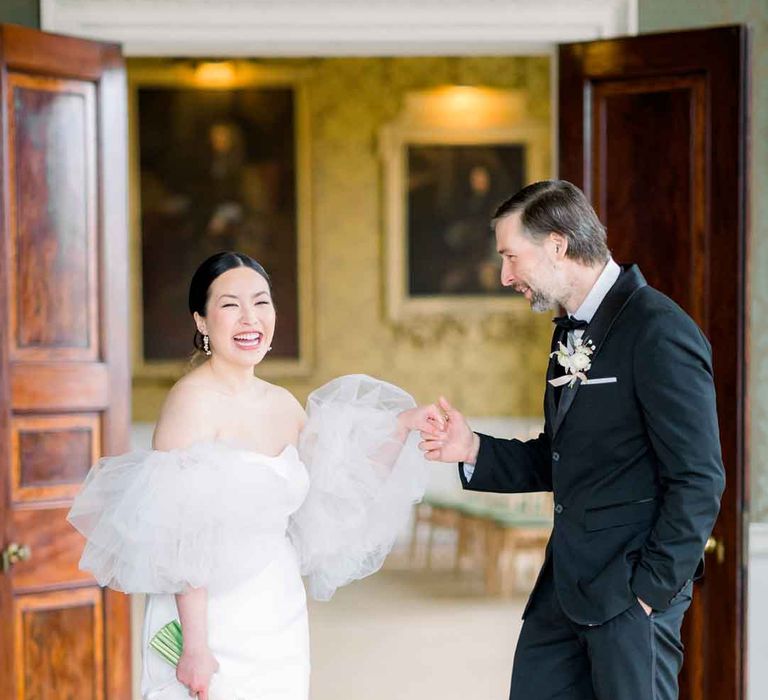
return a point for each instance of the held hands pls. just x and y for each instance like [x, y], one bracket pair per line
[422, 418]
[195, 669]
[453, 441]
[445, 433]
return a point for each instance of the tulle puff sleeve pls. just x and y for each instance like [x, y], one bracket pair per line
[364, 480]
[160, 522]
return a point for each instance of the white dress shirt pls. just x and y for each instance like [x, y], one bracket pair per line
[585, 312]
[588, 309]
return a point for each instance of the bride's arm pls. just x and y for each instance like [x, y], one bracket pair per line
[365, 475]
[182, 421]
[197, 663]
[421, 419]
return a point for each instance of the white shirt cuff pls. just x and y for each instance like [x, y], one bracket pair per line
[469, 470]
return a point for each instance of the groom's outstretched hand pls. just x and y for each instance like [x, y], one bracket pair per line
[455, 442]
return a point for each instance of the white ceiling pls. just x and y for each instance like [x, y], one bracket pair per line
[339, 27]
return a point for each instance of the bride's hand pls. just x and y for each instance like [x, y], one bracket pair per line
[422, 418]
[195, 669]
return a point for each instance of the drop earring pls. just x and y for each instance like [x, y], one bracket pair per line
[206, 346]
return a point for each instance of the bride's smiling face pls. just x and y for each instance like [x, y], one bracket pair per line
[239, 317]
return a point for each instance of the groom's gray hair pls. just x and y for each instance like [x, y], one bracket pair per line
[559, 206]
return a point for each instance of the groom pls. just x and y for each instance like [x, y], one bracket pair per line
[630, 450]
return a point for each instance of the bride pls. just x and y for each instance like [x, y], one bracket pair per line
[242, 494]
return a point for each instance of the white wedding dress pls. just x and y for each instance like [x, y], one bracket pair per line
[247, 526]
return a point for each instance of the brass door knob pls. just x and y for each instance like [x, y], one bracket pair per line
[13, 554]
[715, 546]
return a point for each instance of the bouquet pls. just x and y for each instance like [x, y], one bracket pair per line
[169, 643]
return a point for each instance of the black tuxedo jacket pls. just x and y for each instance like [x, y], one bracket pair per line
[635, 465]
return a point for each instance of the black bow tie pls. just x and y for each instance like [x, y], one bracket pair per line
[569, 323]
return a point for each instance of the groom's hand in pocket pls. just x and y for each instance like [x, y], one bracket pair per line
[455, 442]
[646, 608]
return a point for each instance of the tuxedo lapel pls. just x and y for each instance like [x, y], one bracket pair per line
[629, 282]
[549, 394]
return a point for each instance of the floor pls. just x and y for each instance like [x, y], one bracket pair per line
[409, 635]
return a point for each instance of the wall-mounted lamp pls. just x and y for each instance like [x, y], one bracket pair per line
[215, 73]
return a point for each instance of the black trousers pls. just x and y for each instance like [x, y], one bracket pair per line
[633, 656]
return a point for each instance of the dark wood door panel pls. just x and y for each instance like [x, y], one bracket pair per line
[51, 455]
[650, 139]
[653, 129]
[53, 306]
[59, 640]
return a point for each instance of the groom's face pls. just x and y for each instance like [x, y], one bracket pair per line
[528, 266]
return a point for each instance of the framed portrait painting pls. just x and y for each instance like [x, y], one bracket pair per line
[216, 167]
[443, 181]
[449, 192]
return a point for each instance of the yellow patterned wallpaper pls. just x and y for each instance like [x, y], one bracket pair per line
[350, 99]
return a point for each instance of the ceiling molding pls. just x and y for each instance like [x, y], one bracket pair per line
[267, 28]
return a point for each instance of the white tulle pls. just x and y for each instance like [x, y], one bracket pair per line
[211, 514]
[207, 515]
[363, 481]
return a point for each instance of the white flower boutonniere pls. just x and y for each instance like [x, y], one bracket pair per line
[576, 362]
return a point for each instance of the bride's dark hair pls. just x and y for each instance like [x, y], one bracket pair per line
[208, 271]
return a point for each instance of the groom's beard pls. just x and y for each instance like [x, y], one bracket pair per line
[541, 302]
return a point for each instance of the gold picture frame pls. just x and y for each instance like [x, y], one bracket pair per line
[225, 75]
[455, 123]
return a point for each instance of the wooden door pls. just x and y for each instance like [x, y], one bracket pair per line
[64, 381]
[653, 129]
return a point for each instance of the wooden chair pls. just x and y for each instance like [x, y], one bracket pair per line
[508, 537]
[491, 531]
[435, 512]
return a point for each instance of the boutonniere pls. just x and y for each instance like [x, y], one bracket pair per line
[576, 362]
